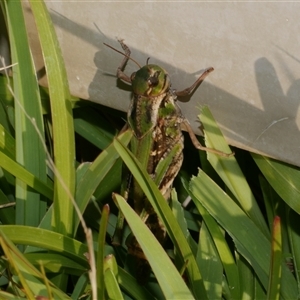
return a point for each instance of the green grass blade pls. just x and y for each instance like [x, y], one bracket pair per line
[7, 215]
[7, 143]
[80, 287]
[12, 257]
[271, 200]
[246, 279]
[284, 179]
[55, 263]
[276, 262]
[229, 170]
[86, 124]
[7, 296]
[21, 173]
[29, 149]
[165, 214]
[95, 174]
[294, 237]
[112, 285]
[210, 265]
[100, 254]
[42, 238]
[32, 280]
[179, 214]
[224, 252]
[173, 286]
[6, 97]
[130, 285]
[110, 278]
[92, 133]
[62, 121]
[246, 235]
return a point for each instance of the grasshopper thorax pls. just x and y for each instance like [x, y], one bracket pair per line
[150, 80]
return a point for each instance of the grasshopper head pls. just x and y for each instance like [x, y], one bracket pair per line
[150, 80]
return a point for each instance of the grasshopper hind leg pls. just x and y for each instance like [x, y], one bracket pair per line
[185, 125]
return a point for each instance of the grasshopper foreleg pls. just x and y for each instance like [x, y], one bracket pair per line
[120, 74]
[186, 125]
[190, 89]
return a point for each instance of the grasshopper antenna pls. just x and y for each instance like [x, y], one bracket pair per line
[122, 54]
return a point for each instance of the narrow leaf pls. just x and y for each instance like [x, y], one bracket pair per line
[229, 170]
[100, 254]
[165, 214]
[276, 262]
[95, 173]
[27, 108]
[42, 238]
[62, 121]
[247, 236]
[21, 173]
[284, 179]
[173, 286]
[31, 279]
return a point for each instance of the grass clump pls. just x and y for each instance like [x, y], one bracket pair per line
[237, 238]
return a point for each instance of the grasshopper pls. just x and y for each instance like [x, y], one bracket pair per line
[157, 124]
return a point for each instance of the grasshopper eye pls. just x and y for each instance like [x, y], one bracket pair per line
[153, 80]
[132, 76]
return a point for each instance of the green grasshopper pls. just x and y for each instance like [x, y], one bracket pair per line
[157, 124]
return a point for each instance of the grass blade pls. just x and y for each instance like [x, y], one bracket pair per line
[229, 170]
[27, 177]
[95, 174]
[284, 179]
[29, 149]
[247, 236]
[210, 264]
[173, 286]
[276, 262]
[42, 238]
[224, 252]
[62, 121]
[100, 254]
[110, 278]
[165, 214]
[31, 279]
